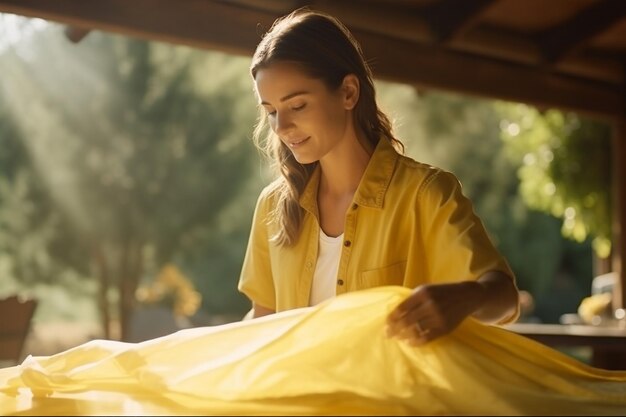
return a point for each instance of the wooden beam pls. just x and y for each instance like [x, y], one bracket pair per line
[594, 65]
[502, 44]
[593, 20]
[406, 23]
[398, 21]
[226, 27]
[448, 18]
[434, 67]
[619, 211]
[198, 23]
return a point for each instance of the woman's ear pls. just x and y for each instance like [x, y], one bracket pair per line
[351, 89]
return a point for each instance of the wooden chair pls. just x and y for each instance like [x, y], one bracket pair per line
[15, 323]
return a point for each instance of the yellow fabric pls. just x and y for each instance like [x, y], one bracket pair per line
[410, 225]
[331, 359]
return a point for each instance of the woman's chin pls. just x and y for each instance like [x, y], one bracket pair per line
[304, 159]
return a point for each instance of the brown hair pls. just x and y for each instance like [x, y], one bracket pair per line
[323, 47]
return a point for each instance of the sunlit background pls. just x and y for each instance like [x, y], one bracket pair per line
[128, 180]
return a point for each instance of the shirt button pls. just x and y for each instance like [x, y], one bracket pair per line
[309, 264]
[339, 282]
[355, 206]
[347, 243]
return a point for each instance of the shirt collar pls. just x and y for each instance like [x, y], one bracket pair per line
[373, 186]
[308, 199]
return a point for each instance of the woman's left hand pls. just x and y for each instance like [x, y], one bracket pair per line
[434, 310]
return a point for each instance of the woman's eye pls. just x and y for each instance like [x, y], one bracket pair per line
[299, 107]
[271, 113]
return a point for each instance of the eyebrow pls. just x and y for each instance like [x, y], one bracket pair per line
[288, 96]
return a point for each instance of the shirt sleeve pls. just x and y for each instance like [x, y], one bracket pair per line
[256, 280]
[456, 242]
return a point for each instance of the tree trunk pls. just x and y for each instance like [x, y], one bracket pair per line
[131, 268]
[104, 278]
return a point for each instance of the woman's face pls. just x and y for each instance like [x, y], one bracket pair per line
[309, 119]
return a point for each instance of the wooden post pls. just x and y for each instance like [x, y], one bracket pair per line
[619, 210]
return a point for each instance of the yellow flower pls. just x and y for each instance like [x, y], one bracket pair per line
[594, 306]
[174, 289]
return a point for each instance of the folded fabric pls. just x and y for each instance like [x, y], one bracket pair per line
[331, 359]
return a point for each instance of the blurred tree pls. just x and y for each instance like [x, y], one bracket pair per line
[26, 229]
[138, 155]
[566, 169]
[30, 231]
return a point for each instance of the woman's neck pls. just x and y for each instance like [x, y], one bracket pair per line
[341, 171]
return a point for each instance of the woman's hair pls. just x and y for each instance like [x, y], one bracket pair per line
[326, 50]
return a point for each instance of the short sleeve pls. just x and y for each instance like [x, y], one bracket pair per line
[456, 243]
[256, 280]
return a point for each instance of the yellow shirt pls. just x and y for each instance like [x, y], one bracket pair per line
[409, 224]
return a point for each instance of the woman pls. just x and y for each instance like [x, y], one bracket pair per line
[349, 212]
[395, 221]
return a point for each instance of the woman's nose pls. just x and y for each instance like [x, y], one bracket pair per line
[282, 124]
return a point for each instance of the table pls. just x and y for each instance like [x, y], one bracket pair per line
[608, 343]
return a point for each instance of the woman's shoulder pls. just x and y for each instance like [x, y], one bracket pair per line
[425, 176]
[270, 194]
[272, 189]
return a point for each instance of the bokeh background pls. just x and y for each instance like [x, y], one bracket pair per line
[128, 179]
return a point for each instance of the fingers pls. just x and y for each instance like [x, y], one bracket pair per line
[413, 320]
[409, 304]
[409, 319]
[431, 311]
[405, 328]
[417, 322]
[422, 335]
[421, 331]
[412, 310]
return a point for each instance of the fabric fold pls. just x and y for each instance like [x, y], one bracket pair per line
[331, 359]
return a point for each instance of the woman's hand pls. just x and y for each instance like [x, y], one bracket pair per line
[434, 310]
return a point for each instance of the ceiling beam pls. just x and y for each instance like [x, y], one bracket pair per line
[559, 41]
[433, 67]
[398, 21]
[449, 18]
[225, 27]
[197, 23]
[409, 24]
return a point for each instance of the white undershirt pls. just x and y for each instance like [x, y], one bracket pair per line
[325, 277]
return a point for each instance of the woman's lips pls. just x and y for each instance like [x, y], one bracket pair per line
[298, 143]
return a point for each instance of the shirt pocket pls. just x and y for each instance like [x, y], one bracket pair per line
[388, 275]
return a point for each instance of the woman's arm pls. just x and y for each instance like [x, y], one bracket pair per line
[258, 311]
[467, 276]
[500, 298]
[434, 310]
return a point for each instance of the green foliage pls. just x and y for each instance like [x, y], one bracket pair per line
[27, 230]
[131, 149]
[566, 169]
